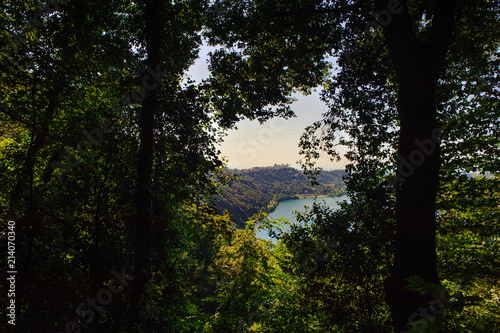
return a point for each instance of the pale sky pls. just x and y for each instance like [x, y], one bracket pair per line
[274, 142]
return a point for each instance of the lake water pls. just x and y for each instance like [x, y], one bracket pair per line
[286, 209]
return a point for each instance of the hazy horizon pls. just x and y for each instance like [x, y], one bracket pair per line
[274, 142]
[291, 166]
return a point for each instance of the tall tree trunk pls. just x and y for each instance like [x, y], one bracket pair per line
[418, 170]
[145, 161]
[418, 65]
[24, 201]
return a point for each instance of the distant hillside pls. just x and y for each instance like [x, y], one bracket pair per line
[260, 189]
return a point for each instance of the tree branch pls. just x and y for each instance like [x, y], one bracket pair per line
[442, 27]
[399, 34]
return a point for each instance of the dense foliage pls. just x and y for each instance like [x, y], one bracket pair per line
[109, 166]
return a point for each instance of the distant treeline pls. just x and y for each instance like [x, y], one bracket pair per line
[260, 189]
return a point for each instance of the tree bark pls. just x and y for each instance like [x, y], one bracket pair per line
[418, 64]
[150, 107]
[415, 251]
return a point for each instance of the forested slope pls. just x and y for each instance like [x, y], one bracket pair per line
[261, 188]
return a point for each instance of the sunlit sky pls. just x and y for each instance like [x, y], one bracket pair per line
[274, 142]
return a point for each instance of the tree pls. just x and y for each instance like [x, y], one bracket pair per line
[418, 45]
[44, 61]
[468, 248]
[176, 126]
[418, 64]
[149, 110]
[70, 136]
[342, 258]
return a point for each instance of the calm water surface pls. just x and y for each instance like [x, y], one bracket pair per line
[286, 209]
